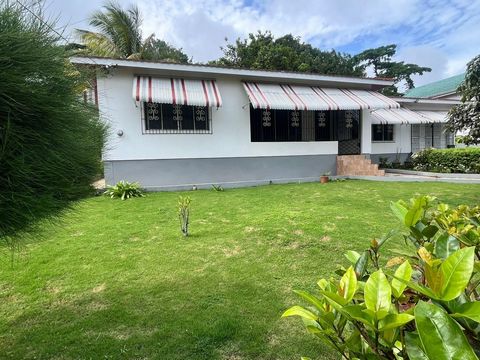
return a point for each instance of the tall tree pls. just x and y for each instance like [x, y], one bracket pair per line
[380, 59]
[119, 35]
[287, 53]
[465, 117]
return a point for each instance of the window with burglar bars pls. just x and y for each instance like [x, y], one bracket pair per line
[175, 119]
[267, 125]
[382, 132]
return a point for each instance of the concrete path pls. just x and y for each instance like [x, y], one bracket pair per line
[413, 176]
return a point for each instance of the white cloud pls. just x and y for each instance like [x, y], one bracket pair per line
[440, 34]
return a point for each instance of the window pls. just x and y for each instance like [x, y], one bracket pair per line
[382, 132]
[175, 119]
[286, 125]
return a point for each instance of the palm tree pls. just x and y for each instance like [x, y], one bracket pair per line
[118, 35]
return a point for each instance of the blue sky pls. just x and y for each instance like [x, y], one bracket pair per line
[443, 35]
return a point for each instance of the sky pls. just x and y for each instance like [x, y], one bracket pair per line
[442, 34]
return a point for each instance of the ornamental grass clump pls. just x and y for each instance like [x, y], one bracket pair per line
[124, 190]
[184, 213]
[50, 140]
[423, 304]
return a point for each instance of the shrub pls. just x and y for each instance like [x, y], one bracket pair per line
[50, 141]
[428, 308]
[184, 213]
[124, 190]
[465, 160]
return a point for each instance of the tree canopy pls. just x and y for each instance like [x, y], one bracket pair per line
[465, 117]
[287, 53]
[118, 34]
[380, 59]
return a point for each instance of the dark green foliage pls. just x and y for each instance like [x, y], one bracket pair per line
[50, 141]
[124, 190]
[287, 53]
[465, 117]
[383, 66]
[448, 160]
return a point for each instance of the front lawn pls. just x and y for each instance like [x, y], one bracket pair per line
[117, 280]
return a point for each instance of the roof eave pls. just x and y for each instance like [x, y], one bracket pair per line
[241, 73]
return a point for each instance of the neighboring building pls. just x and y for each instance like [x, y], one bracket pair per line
[445, 89]
[175, 126]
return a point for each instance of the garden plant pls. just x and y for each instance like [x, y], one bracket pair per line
[124, 190]
[426, 308]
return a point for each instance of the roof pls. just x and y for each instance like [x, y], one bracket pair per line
[245, 74]
[437, 88]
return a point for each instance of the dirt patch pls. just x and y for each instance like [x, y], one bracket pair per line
[235, 251]
[325, 238]
[98, 289]
[298, 232]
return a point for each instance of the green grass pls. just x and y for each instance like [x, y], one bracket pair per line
[117, 280]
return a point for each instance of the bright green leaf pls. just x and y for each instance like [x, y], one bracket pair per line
[310, 298]
[334, 299]
[414, 347]
[356, 312]
[377, 292]
[403, 272]
[392, 321]
[352, 256]
[457, 270]
[300, 311]
[441, 337]
[348, 284]
[469, 310]
[419, 288]
[399, 209]
[446, 245]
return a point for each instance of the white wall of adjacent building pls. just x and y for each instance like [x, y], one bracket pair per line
[401, 143]
[230, 135]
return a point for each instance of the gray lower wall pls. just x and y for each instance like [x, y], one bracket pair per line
[391, 157]
[173, 174]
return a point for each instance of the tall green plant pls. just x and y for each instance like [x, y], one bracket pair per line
[427, 308]
[50, 141]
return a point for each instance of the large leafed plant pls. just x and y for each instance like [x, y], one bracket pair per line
[421, 304]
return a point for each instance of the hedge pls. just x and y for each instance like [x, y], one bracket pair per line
[465, 160]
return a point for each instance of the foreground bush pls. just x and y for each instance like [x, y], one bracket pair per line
[427, 308]
[50, 142]
[448, 160]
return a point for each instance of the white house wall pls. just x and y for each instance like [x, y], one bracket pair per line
[397, 150]
[230, 125]
[227, 156]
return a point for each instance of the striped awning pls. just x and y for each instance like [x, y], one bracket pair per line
[405, 116]
[176, 91]
[295, 97]
[435, 116]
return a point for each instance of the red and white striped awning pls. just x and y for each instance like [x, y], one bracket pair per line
[176, 91]
[406, 116]
[295, 97]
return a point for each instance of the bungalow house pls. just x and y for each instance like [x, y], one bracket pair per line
[176, 126]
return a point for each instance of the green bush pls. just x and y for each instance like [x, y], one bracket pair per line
[465, 160]
[50, 141]
[124, 190]
[427, 308]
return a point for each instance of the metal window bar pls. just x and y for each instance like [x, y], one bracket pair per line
[146, 130]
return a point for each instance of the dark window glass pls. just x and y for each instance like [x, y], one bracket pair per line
[168, 118]
[287, 125]
[382, 132]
